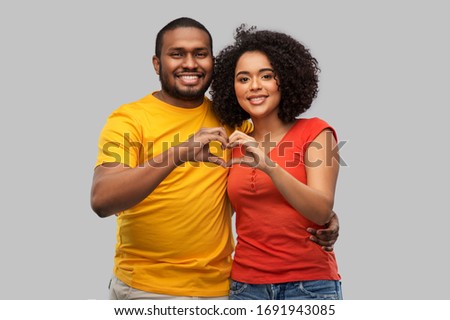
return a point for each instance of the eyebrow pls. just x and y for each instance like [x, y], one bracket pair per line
[184, 49]
[259, 71]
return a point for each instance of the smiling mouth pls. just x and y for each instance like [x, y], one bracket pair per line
[257, 100]
[189, 79]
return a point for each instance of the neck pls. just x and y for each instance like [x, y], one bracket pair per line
[176, 102]
[273, 126]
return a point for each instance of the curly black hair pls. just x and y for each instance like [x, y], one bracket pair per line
[296, 71]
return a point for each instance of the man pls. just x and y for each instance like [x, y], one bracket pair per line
[159, 169]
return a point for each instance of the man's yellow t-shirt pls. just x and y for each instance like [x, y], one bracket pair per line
[177, 241]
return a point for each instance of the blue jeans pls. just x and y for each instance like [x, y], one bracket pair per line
[302, 290]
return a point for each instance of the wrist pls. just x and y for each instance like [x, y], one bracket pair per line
[270, 167]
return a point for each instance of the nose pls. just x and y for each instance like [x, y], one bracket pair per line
[189, 62]
[255, 84]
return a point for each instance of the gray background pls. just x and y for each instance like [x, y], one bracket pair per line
[384, 87]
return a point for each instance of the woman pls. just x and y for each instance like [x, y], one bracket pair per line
[283, 176]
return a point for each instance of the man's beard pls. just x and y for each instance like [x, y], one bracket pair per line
[188, 93]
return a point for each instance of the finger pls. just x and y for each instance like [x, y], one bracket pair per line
[234, 161]
[223, 132]
[235, 143]
[322, 241]
[215, 130]
[245, 143]
[248, 161]
[326, 244]
[215, 137]
[332, 228]
[251, 145]
[217, 160]
[250, 148]
[237, 133]
[312, 231]
[206, 135]
[334, 222]
[333, 225]
[327, 234]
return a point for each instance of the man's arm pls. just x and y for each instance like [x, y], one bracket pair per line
[116, 187]
[328, 236]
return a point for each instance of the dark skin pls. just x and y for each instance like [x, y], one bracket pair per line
[326, 237]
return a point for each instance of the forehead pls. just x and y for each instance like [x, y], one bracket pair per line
[253, 60]
[186, 38]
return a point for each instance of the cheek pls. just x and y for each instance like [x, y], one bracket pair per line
[275, 92]
[278, 98]
[166, 68]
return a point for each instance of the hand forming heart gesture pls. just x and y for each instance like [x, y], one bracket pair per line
[254, 157]
[197, 147]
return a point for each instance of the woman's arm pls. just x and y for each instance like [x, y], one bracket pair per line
[316, 198]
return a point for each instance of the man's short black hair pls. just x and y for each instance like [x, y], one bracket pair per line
[182, 22]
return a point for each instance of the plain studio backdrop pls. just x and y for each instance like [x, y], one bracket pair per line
[65, 66]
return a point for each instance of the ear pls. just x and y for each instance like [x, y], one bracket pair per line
[156, 64]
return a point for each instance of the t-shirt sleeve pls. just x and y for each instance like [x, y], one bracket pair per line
[246, 127]
[315, 127]
[120, 140]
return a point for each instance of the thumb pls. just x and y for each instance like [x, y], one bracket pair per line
[248, 161]
[217, 160]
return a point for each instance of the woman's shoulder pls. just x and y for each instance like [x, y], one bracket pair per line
[315, 121]
[309, 128]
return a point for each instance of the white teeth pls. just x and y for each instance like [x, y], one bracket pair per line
[189, 77]
[258, 99]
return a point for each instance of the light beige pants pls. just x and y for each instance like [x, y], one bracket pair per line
[118, 290]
